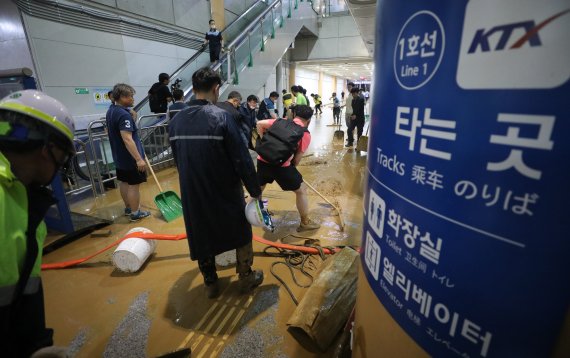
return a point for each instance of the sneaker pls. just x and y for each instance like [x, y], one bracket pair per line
[348, 145]
[212, 289]
[128, 211]
[139, 214]
[308, 225]
[247, 282]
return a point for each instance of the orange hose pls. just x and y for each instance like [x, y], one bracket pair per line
[66, 264]
[71, 263]
[304, 249]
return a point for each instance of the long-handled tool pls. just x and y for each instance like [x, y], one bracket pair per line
[338, 135]
[168, 202]
[331, 204]
[362, 144]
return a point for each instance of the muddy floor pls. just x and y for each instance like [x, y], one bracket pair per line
[97, 310]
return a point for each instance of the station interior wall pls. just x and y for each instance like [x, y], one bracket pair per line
[69, 57]
[338, 38]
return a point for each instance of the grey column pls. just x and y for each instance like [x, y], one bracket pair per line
[279, 83]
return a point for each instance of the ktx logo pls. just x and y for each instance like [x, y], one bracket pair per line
[481, 38]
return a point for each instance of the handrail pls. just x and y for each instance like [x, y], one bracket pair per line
[144, 101]
[253, 24]
[203, 48]
[216, 66]
[313, 7]
[243, 15]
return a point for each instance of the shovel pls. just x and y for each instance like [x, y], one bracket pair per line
[338, 135]
[362, 144]
[168, 202]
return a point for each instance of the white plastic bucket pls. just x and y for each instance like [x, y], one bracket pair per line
[227, 258]
[131, 254]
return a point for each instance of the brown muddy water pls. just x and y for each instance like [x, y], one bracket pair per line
[98, 311]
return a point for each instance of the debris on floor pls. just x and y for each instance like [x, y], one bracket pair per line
[329, 186]
[313, 161]
[131, 335]
[327, 304]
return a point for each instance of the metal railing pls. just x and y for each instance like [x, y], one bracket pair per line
[98, 142]
[73, 175]
[156, 146]
[241, 50]
[154, 132]
[201, 58]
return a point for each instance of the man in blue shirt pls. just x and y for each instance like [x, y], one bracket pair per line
[247, 111]
[178, 104]
[267, 107]
[336, 109]
[127, 150]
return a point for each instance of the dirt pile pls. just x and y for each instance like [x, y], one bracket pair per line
[329, 187]
[313, 161]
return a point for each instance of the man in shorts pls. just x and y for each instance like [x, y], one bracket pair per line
[287, 175]
[128, 153]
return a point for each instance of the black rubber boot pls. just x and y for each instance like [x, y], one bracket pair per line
[212, 289]
[249, 281]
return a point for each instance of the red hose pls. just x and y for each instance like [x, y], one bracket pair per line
[304, 249]
[66, 264]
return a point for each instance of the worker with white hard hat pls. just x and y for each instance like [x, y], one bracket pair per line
[36, 140]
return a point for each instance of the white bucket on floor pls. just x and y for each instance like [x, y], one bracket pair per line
[227, 258]
[131, 254]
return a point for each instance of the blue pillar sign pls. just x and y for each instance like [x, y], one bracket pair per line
[467, 221]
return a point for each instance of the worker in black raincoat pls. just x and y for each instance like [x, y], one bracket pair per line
[212, 163]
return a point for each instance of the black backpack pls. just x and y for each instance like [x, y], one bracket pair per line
[280, 141]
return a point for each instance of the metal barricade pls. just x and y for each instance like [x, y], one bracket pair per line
[74, 175]
[149, 120]
[155, 143]
[99, 142]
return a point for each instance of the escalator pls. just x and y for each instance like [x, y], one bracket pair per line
[201, 58]
[152, 130]
[244, 38]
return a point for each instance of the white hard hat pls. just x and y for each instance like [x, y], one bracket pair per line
[46, 110]
[257, 215]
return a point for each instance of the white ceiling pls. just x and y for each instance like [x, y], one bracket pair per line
[350, 69]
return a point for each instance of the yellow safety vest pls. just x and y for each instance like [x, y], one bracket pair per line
[13, 227]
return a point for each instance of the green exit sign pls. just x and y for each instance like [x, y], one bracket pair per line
[81, 91]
